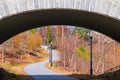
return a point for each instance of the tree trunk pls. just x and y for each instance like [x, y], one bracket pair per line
[21, 55]
[103, 55]
[62, 31]
[71, 61]
[2, 56]
[64, 57]
[28, 53]
[114, 47]
[75, 66]
[3, 52]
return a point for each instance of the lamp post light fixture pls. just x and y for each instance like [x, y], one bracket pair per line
[51, 53]
[91, 36]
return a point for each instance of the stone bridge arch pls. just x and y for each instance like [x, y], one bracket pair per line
[19, 15]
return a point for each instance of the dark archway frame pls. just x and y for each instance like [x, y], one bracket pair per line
[17, 23]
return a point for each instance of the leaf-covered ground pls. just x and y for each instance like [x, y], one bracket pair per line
[115, 75]
[15, 70]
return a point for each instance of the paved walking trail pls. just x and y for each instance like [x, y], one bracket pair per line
[40, 72]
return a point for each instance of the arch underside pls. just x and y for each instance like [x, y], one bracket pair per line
[108, 7]
[19, 15]
[14, 24]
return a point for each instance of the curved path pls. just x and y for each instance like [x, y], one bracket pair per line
[40, 72]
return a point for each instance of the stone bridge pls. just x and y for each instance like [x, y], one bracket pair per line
[19, 15]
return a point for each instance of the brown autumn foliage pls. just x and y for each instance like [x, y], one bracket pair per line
[105, 51]
[16, 48]
[33, 40]
[106, 55]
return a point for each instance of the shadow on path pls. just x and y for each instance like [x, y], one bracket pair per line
[106, 76]
[5, 75]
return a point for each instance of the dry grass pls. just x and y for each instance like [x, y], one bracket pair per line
[18, 68]
[59, 69]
